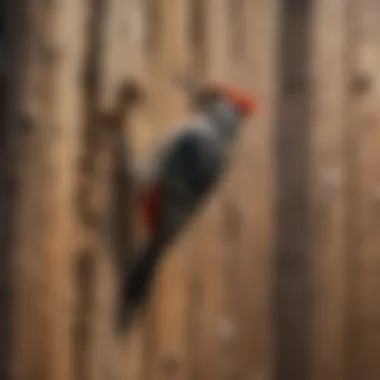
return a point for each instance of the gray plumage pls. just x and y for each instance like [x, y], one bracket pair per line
[185, 167]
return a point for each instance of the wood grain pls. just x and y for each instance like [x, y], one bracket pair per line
[328, 190]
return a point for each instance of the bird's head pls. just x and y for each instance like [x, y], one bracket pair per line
[242, 101]
[204, 96]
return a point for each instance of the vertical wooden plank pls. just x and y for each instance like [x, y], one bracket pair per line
[328, 168]
[213, 59]
[252, 189]
[292, 278]
[114, 65]
[91, 198]
[197, 30]
[83, 283]
[217, 40]
[364, 243]
[110, 64]
[230, 327]
[25, 275]
[46, 231]
[145, 139]
[12, 40]
[169, 296]
[139, 138]
[123, 38]
[196, 274]
[60, 137]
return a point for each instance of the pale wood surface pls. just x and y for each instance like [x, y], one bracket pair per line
[278, 275]
[364, 243]
[328, 190]
[46, 234]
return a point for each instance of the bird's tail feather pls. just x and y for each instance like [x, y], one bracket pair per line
[136, 283]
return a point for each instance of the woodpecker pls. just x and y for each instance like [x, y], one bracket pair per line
[184, 169]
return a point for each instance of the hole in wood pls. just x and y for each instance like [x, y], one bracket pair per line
[170, 366]
[361, 83]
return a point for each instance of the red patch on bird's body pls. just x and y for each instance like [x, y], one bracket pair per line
[151, 201]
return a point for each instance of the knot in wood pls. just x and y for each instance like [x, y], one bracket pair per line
[130, 93]
[361, 83]
[227, 332]
[170, 366]
[332, 180]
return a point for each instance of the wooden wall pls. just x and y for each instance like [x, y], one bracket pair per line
[278, 278]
